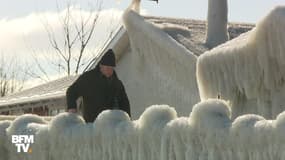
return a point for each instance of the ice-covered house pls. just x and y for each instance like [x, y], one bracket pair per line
[249, 71]
[156, 60]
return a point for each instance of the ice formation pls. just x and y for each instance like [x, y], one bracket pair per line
[157, 70]
[249, 70]
[135, 6]
[3, 139]
[13, 117]
[208, 133]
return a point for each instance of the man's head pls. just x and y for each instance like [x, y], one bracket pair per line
[107, 63]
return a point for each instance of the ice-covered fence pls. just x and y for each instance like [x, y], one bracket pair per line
[157, 69]
[207, 134]
[249, 71]
[3, 139]
[12, 117]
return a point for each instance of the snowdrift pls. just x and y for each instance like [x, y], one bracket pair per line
[157, 70]
[249, 71]
[208, 133]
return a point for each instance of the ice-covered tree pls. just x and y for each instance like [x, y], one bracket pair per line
[217, 23]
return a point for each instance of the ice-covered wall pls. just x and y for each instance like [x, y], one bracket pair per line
[208, 133]
[249, 71]
[156, 69]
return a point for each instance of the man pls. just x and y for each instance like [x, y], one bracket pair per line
[100, 89]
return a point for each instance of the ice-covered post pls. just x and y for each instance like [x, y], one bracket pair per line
[217, 32]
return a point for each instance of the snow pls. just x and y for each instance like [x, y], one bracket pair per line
[13, 117]
[53, 90]
[146, 69]
[207, 133]
[27, 124]
[249, 70]
[3, 138]
[192, 39]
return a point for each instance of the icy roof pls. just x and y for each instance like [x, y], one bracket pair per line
[190, 33]
[49, 90]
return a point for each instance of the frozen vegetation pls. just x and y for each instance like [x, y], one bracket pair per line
[249, 71]
[208, 133]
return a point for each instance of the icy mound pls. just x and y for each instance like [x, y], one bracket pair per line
[3, 138]
[208, 134]
[157, 70]
[249, 71]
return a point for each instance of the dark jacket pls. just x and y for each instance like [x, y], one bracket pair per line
[99, 93]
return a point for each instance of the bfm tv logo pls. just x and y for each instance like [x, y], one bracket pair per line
[23, 142]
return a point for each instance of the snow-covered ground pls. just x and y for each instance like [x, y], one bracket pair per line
[208, 133]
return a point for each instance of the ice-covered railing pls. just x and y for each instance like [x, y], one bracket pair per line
[249, 71]
[207, 134]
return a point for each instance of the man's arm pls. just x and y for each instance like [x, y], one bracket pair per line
[71, 96]
[72, 93]
[124, 101]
